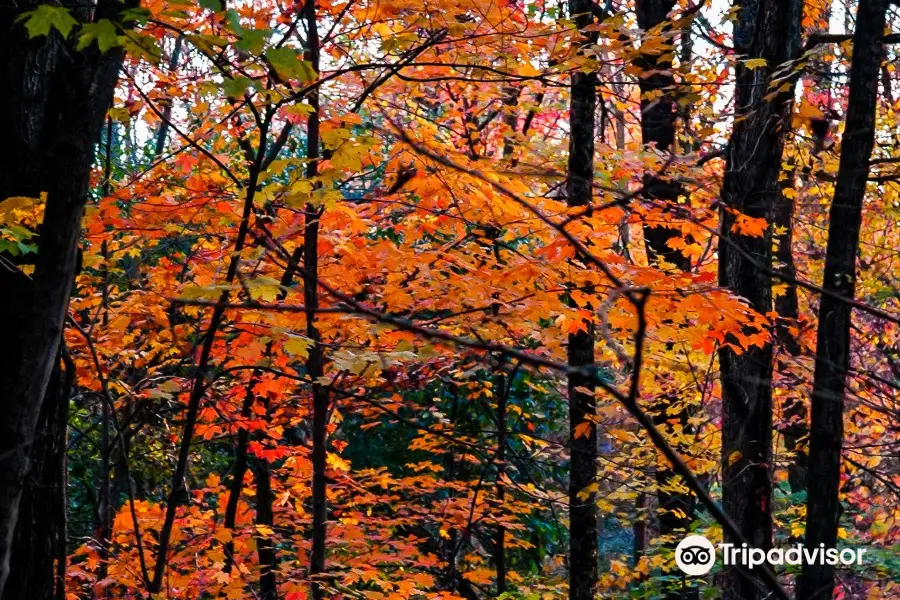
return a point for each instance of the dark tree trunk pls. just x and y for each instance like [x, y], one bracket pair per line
[833, 339]
[315, 364]
[794, 414]
[767, 29]
[583, 539]
[55, 99]
[787, 305]
[162, 134]
[658, 129]
[502, 385]
[237, 473]
[794, 410]
[265, 546]
[41, 530]
[639, 530]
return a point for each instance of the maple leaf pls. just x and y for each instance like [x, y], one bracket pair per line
[583, 429]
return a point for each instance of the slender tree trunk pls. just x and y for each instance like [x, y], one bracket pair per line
[658, 115]
[502, 387]
[238, 472]
[787, 305]
[55, 99]
[265, 547]
[178, 492]
[162, 133]
[583, 522]
[240, 457]
[315, 361]
[639, 530]
[107, 508]
[503, 383]
[833, 339]
[770, 30]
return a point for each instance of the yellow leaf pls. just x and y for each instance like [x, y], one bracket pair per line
[337, 463]
[755, 63]
[587, 491]
[264, 531]
[264, 288]
[223, 535]
[297, 346]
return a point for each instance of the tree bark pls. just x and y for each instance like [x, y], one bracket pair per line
[787, 305]
[583, 539]
[770, 30]
[54, 104]
[658, 115]
[833, 338]
[315, 363]
[794, 410]
[42, 524]
[237, 473]
[162, 134]
[502, 386]
[265, 547]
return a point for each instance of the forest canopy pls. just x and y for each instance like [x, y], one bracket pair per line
[449, 299]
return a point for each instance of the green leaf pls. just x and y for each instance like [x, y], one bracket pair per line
[137, 15]
[234, 20]
[9, 247]
[44, 18]
[103, 32]
[142, 46]
[235, 88]
[208, 42]
[213, 5]
[289, 65]
[253, 40]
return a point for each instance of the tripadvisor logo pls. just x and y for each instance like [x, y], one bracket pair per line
[695, 555]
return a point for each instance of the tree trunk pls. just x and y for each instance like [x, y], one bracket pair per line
[583, 539]
[237, 473]
[787, 306]
[265, 546]
[315, 361]
[833, 339]
[502, 387]
[767, 29]
[658, 114]
[42, 526]
[794, 410]
[54, 104]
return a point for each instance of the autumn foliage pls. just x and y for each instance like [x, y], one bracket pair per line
[341, 227]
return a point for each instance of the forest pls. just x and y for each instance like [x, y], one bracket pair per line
[449, 299]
